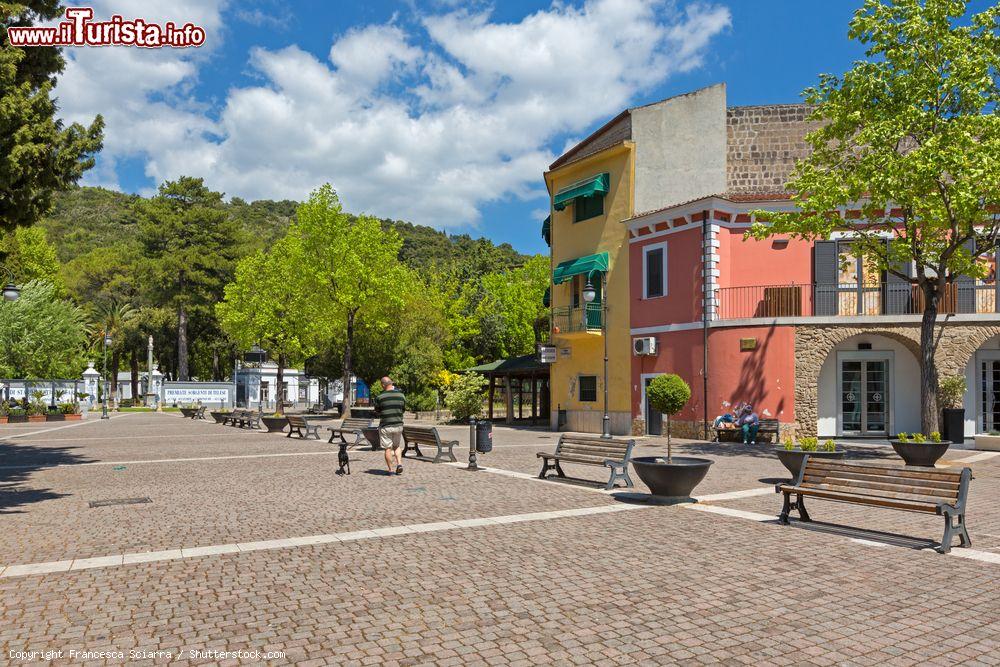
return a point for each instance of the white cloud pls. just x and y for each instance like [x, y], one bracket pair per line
[425, 123]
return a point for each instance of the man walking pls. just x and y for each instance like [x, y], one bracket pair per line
[389, 406]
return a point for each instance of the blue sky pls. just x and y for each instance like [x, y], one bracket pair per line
[441, 112]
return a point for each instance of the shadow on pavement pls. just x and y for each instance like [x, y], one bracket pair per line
[889, 539]
[18, 462]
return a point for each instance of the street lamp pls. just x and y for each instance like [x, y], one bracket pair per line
[10, 291]
[104, 405]
[589, 294]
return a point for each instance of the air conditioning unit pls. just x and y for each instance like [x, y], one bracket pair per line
[644, 346]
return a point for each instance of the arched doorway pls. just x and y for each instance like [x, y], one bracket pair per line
[865, 388]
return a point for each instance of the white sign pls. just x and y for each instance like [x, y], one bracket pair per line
[192, 394]
[547, 354]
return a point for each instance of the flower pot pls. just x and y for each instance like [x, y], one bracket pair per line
[219, 417]
[73, 416]
[672, 481]
[953, 425]
[3, 419]
[923, 454]
[792, 458]
[17, 419]
[55, 417]
[36, 418]
[274, 424]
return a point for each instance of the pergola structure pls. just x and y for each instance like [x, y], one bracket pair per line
[522, 377]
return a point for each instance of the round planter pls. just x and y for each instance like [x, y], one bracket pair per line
[923, 454]
[274, 424]
[188, 412]
[219, 416]
[672, 481]
[792, 458]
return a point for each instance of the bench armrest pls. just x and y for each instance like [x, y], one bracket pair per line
[615, 463]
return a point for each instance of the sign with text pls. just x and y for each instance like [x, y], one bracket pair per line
[195, 394]
[547, 354]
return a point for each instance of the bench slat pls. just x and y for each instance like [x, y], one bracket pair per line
[877, 493]
[584, 460]
[935, 474]
[596, 451]
[895, 503]
[885, 479]
[837, 480]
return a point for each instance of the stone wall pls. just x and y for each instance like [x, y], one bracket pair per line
[763, 144]
[813, 344]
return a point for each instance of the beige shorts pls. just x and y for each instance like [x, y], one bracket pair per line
[390, 437]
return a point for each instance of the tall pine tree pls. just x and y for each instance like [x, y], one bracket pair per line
[38, 155]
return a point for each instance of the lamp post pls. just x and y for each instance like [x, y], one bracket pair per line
[10, 291]
[589, 294]
[104, 403]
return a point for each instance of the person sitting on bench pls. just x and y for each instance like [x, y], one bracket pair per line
[749, 423]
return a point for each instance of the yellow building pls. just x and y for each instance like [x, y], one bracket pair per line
[644, 159]
[591, 193]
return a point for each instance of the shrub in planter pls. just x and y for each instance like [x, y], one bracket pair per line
[791, 456]
[951, 390]
[70, 410]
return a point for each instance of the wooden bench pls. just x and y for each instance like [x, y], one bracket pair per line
[930, 490]
[230, 419]
[590, 451]
[298, 422]
[243, 418]
[353, 426]
[414, 436]
[764, 427]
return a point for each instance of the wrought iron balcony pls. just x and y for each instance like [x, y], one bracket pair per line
[850, 300]
[566, 319]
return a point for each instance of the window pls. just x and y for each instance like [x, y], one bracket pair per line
[577, 288]
[588, 388]
[585, 208]
[654, 268]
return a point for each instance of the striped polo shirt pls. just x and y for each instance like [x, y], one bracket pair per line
[390, 405]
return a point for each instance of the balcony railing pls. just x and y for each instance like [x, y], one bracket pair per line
[566, 319]
[850, 300]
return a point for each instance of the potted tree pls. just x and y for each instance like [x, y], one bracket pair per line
[674, 478]
[920, 450]
[791, 456]
[951, 391]
[36, 408]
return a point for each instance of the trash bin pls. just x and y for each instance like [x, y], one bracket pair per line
[561, 420]
[484, 436]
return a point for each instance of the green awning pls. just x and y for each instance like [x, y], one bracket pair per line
[547, 230]
[547, 298]
[580, 266]
[588, 187]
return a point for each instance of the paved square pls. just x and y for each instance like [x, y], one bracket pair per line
[252, 544]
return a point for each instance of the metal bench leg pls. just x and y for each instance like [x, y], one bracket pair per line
[963, 534]
[618, 473]
[800, 505]
[545, 468]
[290, 431]
[786, 507]
[332, 434]
[559, 470]
[954, 523]
[451, 450]
[438, 455]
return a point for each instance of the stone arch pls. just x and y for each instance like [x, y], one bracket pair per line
[813, 344]
[958, 345]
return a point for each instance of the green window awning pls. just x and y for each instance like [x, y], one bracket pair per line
[580, 266]
[547, 230]
[588, 187]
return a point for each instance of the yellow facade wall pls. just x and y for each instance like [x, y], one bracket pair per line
[583, 353]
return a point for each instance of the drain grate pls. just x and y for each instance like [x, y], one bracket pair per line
[119, 501]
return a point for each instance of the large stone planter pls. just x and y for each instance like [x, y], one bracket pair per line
[219, 417]
[674, 481]
[189, 412]
[989, 443]
[792, 458]
[274, 424]
[922, 454]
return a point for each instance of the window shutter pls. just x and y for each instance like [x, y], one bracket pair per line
[966, 285]
[898, 292]
[825, 277]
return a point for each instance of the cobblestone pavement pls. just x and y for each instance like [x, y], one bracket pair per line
[662, 585]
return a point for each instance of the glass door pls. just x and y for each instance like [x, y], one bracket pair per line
[990, 385]
[864, 397]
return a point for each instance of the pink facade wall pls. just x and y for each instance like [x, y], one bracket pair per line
[744, 262]
[764, 376]
[683, 300]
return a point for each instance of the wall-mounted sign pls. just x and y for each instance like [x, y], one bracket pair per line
[748, 344]
[182, 394]
[547, 354]
[565, 352]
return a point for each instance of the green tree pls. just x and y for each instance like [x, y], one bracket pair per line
[354, 267]
[41, 335]
[668, 394]
[911, 137]
[38, 155]
[117, 320]
[30, 256]
[270, 303]
[190, 246]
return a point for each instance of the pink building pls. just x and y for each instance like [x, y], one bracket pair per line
[806, 332]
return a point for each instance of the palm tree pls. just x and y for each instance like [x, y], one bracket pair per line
[112, 317]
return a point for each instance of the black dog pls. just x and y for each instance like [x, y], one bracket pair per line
[343, 460]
